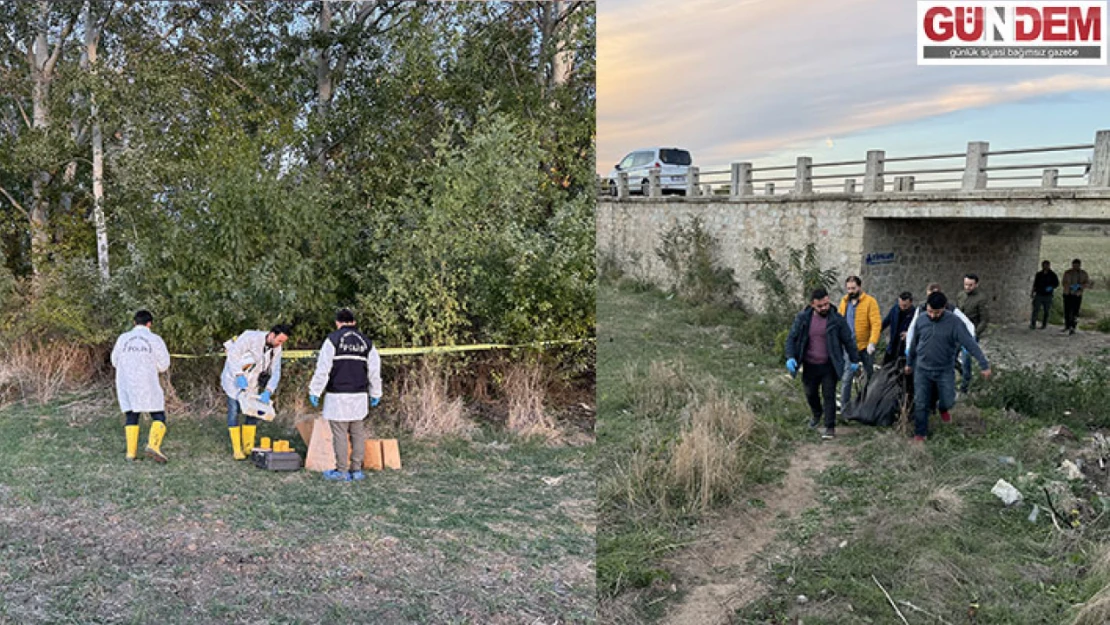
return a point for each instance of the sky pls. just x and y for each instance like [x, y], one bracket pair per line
[766, 81]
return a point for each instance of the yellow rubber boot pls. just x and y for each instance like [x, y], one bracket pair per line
[248, 438]
[237, 442]
[154, 442]
[132, 434]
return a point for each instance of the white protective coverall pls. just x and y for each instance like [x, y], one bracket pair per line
[345, 406]
[248, 355]
[139, 356]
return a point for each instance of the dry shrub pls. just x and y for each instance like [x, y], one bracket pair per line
[664, 389]
[1096, 610]
[707, 462]
[1102, 564]
[30, 370]
[946, 504]
[426, 408]
[525, 390]
[636, 484]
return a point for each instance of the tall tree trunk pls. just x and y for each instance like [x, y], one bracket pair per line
[548, 19]
[43, 64]
[92, 40]
[98, 196]
[41, 74]
[325, 85]
[563, 63]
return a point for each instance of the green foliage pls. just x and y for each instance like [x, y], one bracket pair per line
[440, 182]
[770, 276]
[239, 245]
[804, 265]
[477, 254]
[1103, 325]
[626, 561]
[71, 305]
[691, 255]
[780, 306]
[1045, 392]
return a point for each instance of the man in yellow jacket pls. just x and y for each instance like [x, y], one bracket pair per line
[861, 311]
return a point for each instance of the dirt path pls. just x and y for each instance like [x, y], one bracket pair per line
[1016, 345]
[716, 570]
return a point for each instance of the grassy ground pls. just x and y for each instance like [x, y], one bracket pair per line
[658, 358]
[922, 521]
[491, 530]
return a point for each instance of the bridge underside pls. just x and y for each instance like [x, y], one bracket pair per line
[1040, 206]
[907, 254]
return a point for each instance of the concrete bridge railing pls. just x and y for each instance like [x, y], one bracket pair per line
[981, 168]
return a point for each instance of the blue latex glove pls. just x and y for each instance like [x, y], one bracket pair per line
[241, 381]
[963, 350]
[792, 366]
[855, 367]
[314, 400]
[1075, 287]
[264, 397]
[374, 401]
[1048, 289]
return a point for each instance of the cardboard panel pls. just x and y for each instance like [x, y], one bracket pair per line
[391, 453]
[373, 458]
[321, 455]
[304, 428]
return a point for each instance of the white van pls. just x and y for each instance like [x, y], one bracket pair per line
[672, 163]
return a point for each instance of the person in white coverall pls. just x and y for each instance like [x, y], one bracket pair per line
[349, 370]
[253, 365]
[139, 356]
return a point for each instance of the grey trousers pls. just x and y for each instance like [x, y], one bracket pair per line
[339, 438]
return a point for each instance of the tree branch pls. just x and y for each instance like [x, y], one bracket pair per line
[162, 37]
[48, 68]
[23, 112]
[250, 10]
[14, 203]
[571, 8]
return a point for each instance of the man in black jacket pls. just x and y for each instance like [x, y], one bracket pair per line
[1044, 289]
[817, 343]
[898, 318]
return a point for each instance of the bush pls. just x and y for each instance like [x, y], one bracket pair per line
[1046, 392]
[524, 387]
[691, 255]
[772, 328]
[39, 371]
[1103, 325]
[426, 407]
[706, 464]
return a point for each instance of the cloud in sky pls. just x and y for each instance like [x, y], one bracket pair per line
[735, 80]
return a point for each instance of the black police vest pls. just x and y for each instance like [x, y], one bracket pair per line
[348, 367]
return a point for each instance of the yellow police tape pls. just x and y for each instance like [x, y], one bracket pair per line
[295, 354]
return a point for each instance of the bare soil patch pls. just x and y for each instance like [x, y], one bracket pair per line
[1016, 346]
[717, 571]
